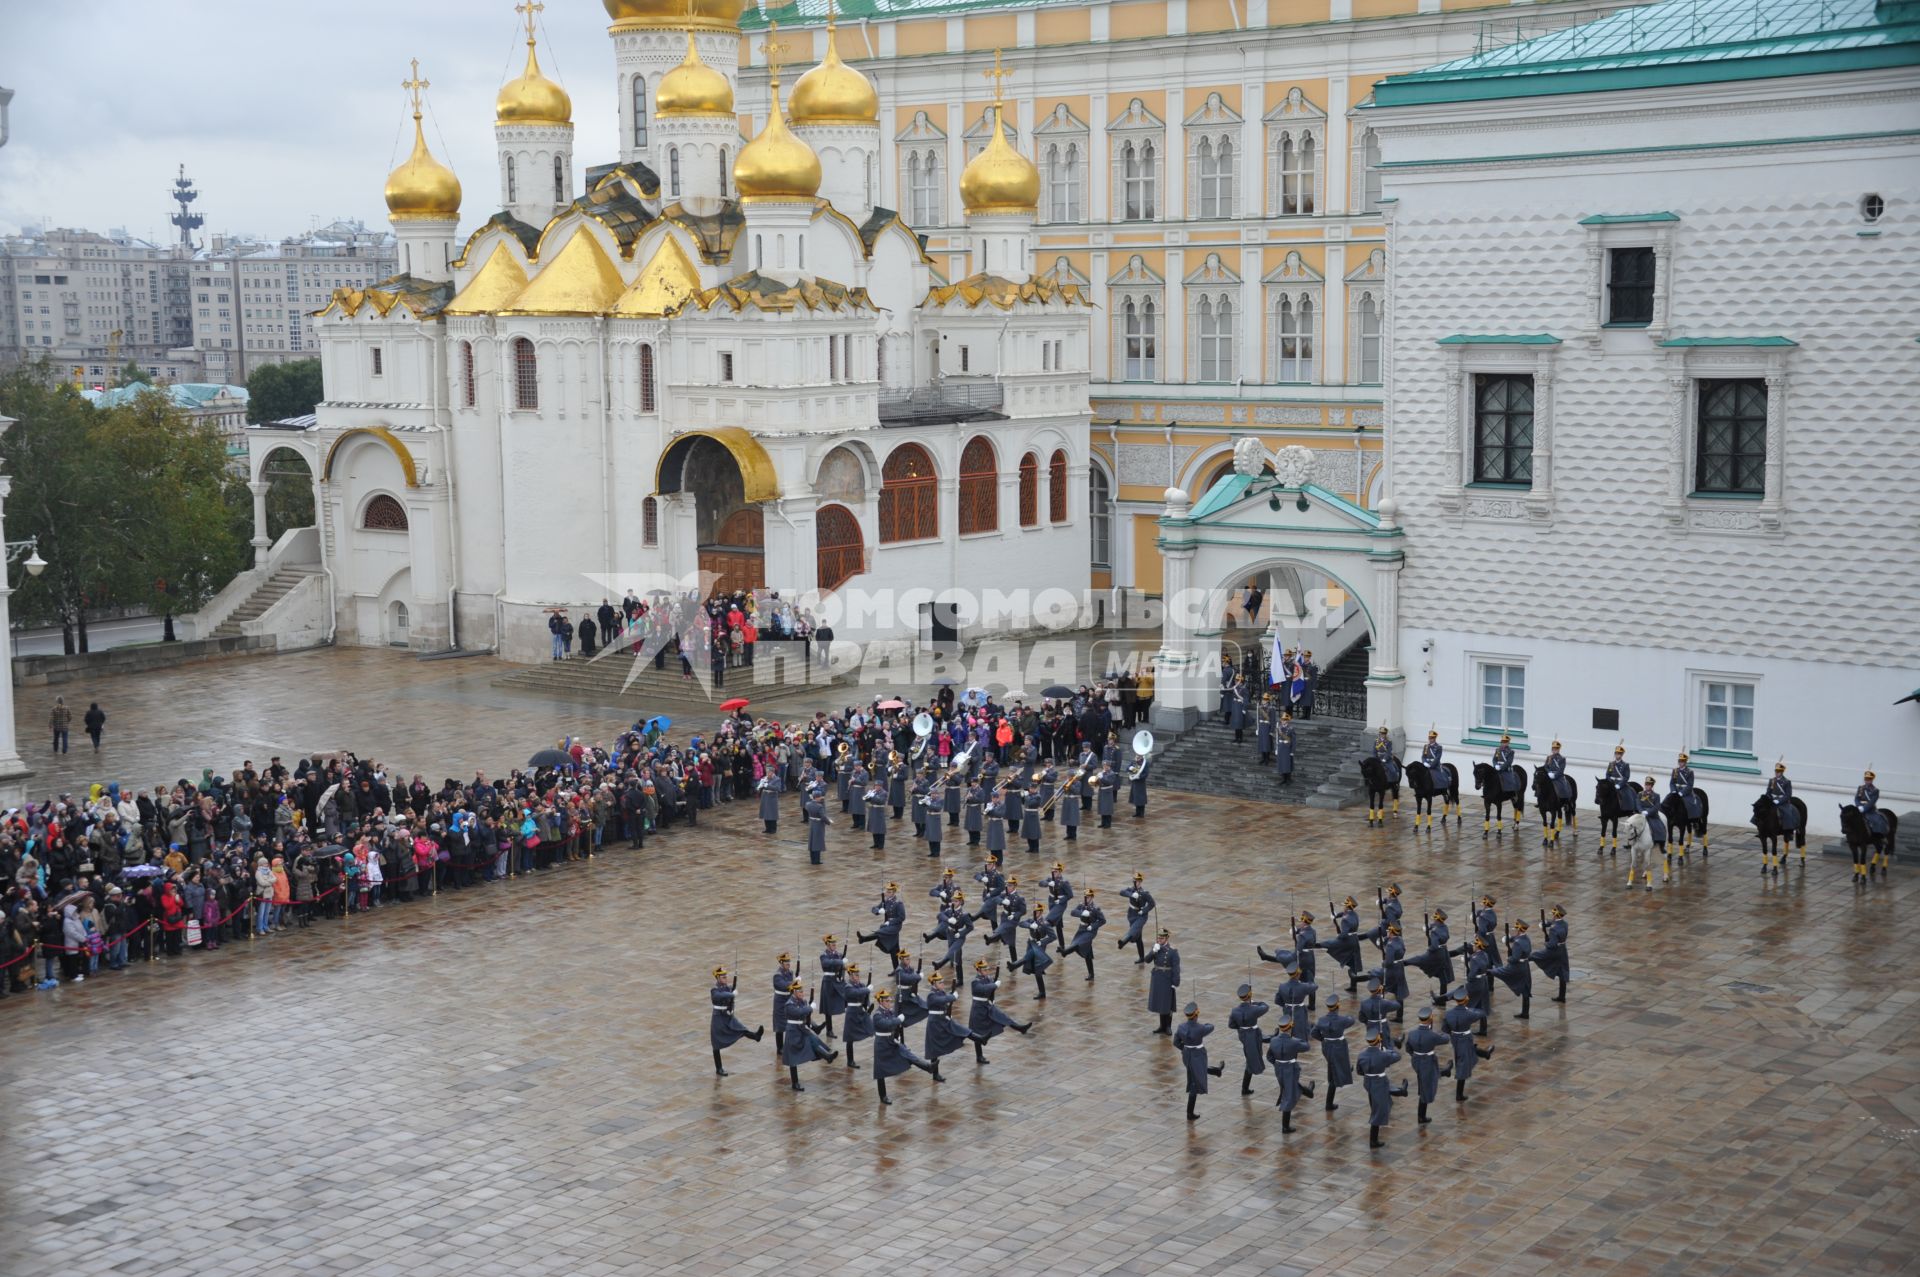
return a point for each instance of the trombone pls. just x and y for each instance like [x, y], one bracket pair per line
[1054, 797]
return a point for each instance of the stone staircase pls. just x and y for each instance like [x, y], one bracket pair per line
[270, 592]
[1326, 772]
[604, 681]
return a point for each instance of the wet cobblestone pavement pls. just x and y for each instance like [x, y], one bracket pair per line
[515, 1078]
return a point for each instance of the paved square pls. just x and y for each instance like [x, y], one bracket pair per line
[515, 1079]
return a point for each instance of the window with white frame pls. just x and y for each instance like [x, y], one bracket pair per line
[1728, 405]
[1064, 182]
[1296, 141]
[673, 171]
[513, 184]
[1137, 138]
[1366, 339]
[1213, 169]
[924, 187]
[1213, 332]
[1501, 696]
[1100, 516]
[1368, 157]
[1139, 333]
[639, 110]
[1293, 317]
[1726, 716]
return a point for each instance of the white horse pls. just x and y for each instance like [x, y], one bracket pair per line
[1638, 838]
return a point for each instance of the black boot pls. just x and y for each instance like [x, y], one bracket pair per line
[1485, 1052]
[1166, 1025]
[1217, 1069]
[1042, 982]
[1246, 1081]
[881, 1083]
[759, 1033]
[1191, 1099]
[1526, 1007]
[1332, 1091]
[1286, 1123]
[1088, 957]
[1460, 1091]
[793, 1077]
[849, 1055]
[1424, 1119]
[1023, 1029]
[936, 1072]
[1562, 995]
[717, 1070]
[979, 1052]
[933, 1069]
[1306, 1089]
[1373, 1137]
[771, 825]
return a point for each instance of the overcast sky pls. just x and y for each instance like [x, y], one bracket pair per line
[284, 113]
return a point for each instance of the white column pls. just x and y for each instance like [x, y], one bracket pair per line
[1386, 683]
[1099, 178]
[261, 543]
[13, 772]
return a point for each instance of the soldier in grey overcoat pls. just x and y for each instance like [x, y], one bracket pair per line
[1165, 978]
[769, 788]
[1244, 1020]
[1191, 1039]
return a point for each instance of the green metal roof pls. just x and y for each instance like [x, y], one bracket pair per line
[1730, 341]
[1500, 339]
[809, 13]
[1676, 42]
[1230, 489]
[1627, 219]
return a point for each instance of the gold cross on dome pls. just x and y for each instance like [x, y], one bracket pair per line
[529, 8]
[414, 86]
[997, 75]
[830, 8]
[773, 47]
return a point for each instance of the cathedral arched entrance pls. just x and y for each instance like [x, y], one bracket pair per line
[725, 475]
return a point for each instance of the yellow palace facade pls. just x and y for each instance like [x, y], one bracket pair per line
[1204, 174]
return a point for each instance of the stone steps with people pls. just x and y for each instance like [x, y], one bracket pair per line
[605, 678]
[1326, 753]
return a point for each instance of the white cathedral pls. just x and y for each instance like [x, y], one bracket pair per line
[718, 357]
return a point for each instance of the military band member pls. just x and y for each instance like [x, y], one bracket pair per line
[1620, 776]
[951, 801]
[908, 1003]
[1140, 907]
[1330, 1031]
[1059, 898]
[1108, 786]
[997, 823]
[958, 923]
[1459, 1022]
[724, 1029]
[985, 1018]
[1377, 1007]
[945, 1035]
[1165, 978]
[841, 769]
[897, 770]
[917, 799]
[1014, 797]
[1090, 919]
[1069, 811]
[938, 796]
[1006, 931]
[1030, 827]
[1517, 971]
[1040, 935]
[1086, 767]
[769, 791]
[1137, 786]
[1048, 785]
[817, 822]
[891, 1055]
[1283, 1050]
[975, 820]
[1423, 1046]
[893, 916]
[1110, 753]
[1191, 1038]
[876, 813]
[856, 794]
[1283, 748]
[1552, 958]
[832, 993]
[782, 990]
[1244, 1020]
[857, 1024]
[802, 1044]
[1373, 1064]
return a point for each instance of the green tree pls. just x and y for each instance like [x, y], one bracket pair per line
[279, 391]
[60, 492]
[129, 373]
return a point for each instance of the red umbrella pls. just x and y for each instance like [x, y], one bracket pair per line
[891, 705]
[737, 702]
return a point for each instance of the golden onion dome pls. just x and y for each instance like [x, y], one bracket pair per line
[776, 165]
[1000, 179]
[693, 88]
[533, 98]
[422, 189]
[709, 15]
[834, 93]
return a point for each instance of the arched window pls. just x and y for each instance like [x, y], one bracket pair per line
[1366, 351]
[673, 171]
[1213, 327]
[526, 375]
[1293, 329]
[384, 514]
[1100, 517]
[725, 170]
[840, 550]
[650, 521]
[1296, 173]
[1213, 165]
[467, 387]
[1029, 491]
[639, 110]
[1141, 324]
[1139, 188]
[1370, 166]
[909, 496]
[559, 180]
[513, 184]
[979, 487]
[647, 402]
[1057, 487]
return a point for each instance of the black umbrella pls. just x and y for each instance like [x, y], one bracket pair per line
[1058, 691]
[551, 758]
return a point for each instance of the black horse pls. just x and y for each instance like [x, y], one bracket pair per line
[1493, 796]
[1871, 852]
[1555, 812]
[1606, 798]
[1425, 791]
[1681, 828]
[1775, 841]
[1378, 788]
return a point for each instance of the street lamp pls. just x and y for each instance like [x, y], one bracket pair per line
[35, 565]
